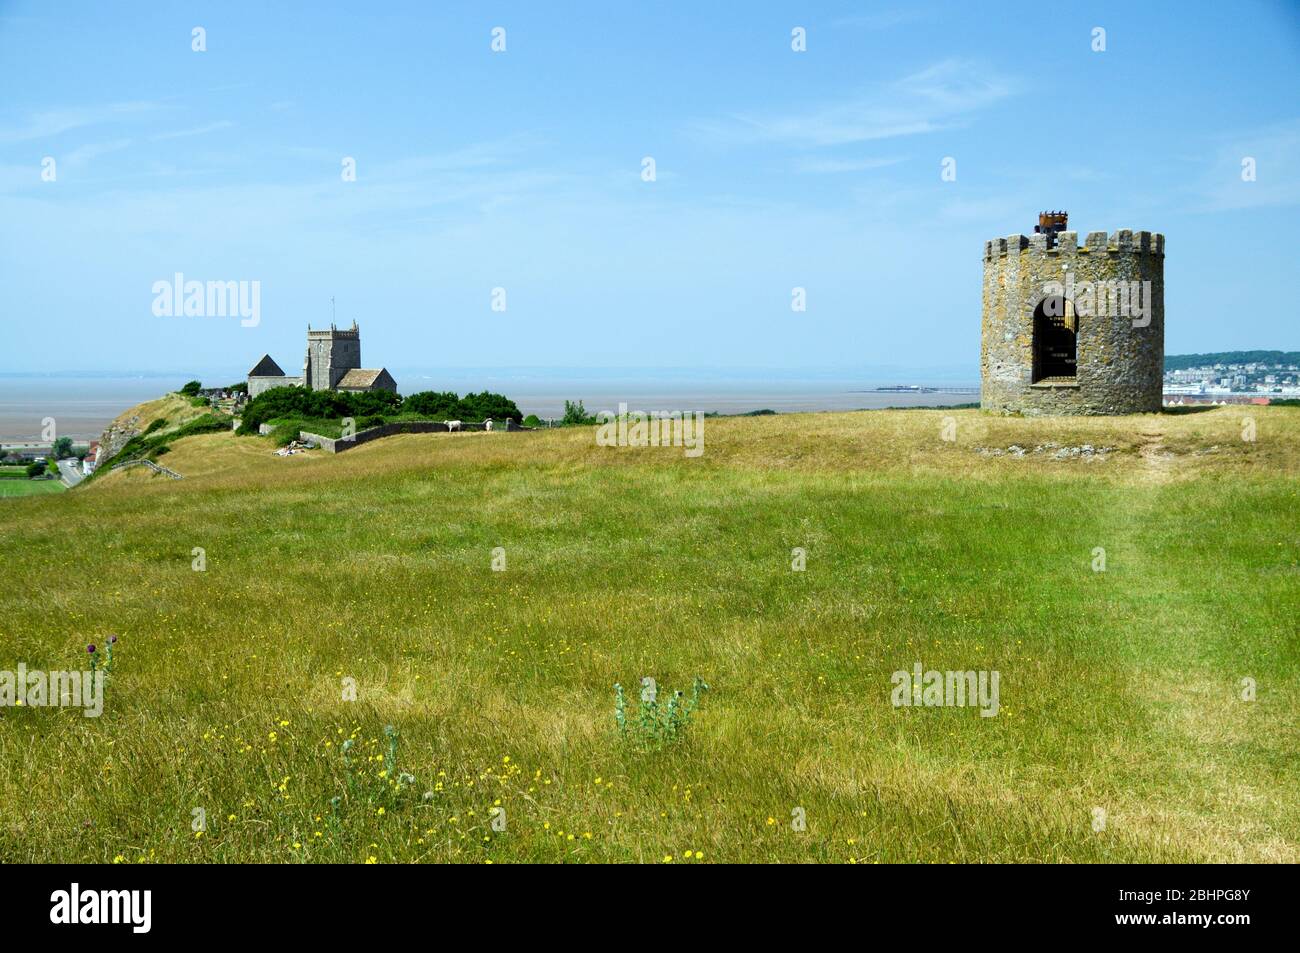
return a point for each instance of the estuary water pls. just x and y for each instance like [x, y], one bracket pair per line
[82, 406]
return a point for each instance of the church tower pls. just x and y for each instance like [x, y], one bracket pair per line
[330, 355]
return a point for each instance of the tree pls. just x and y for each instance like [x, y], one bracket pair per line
[485, 405]
[436, 405]
[192, 389]
[575, 413]
[35, 469]
[63, 448]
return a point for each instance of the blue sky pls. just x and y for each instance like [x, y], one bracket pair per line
[523, 170]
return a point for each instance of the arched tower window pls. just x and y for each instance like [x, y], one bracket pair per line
[1056, 329]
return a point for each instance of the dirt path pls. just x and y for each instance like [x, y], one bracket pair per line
[1157, 462]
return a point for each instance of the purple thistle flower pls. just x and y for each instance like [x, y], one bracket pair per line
[91, 648]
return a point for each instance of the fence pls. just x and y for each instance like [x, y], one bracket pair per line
[151, 465]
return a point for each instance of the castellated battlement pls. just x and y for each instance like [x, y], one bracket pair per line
[332, 333]
[1067, 243]
[1070, 327]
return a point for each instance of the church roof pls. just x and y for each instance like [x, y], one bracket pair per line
[361, 378]
[266, 368]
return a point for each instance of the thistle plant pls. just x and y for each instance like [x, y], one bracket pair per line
[649, 708]
[345, 751]
[673, 723]
[94, 654]
[382, 788]
[620, 710]
[657, 725]
[390, 756]
[699, 685]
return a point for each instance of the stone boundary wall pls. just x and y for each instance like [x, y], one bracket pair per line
[1119, 367]
[333, 445]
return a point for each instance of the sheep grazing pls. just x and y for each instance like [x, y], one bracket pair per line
[453, 425]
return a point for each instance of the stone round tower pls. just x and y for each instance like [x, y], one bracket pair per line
[1070, 328]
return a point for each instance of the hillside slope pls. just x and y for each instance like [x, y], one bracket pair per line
[254, 596]
[173, 409]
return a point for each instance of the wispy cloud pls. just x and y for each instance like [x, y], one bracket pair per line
[938, 97]
[835, 166]
[196, 131]
[52, 122]
[93, 150]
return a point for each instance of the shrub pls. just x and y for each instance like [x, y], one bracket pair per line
[286, 432]
[191, 388]
[485, 405]
[575, 413]
[445, 405]
[656, 726]
[208, 423]
[35, 469]
[437, 405]
[371, 408]
[532, 421]
[298, 402]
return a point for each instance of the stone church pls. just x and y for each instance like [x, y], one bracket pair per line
[333, 362]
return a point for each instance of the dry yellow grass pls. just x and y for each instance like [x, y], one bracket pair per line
[1120, 689]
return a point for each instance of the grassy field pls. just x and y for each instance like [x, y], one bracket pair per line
[1120, 690]
[25, 487]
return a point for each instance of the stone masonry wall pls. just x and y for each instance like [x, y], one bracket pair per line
[1119, 367]
[330, 445]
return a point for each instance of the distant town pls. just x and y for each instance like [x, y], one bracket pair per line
[1233, 376]
[1254, 378]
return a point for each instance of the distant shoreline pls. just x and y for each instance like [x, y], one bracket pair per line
[83, 407]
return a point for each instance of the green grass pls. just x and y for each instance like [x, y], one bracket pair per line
[157, 437]
[25, 487]
[1119, 690]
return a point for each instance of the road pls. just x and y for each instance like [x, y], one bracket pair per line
[71, 471]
